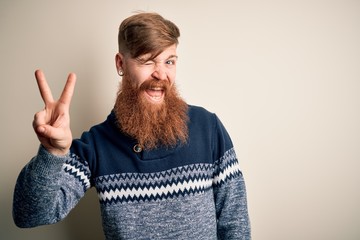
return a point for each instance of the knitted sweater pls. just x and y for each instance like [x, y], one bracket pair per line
[192, 191]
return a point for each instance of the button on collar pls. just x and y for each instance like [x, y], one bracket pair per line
[137, 148]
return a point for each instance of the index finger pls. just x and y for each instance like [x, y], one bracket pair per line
[68, 91]
[44, 88]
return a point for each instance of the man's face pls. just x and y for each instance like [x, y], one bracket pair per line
[160, 72]
[148, 106]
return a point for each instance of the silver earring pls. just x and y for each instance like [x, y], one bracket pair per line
[121, 73]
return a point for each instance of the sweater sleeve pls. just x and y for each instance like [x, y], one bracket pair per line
[229, 190]
[48, 187]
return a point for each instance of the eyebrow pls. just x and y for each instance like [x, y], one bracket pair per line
[173, 56]
[143, 59]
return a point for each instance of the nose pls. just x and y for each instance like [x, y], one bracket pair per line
[159, 72]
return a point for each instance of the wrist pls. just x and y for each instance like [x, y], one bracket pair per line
[57, 151]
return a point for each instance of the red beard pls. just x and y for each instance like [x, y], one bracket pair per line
[152, 125]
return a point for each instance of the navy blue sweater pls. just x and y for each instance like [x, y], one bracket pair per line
[192, 191]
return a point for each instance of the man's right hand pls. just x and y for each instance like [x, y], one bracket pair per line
[52, 125]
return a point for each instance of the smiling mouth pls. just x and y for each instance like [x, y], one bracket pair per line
[155, 94]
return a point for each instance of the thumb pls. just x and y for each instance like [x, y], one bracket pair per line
[48, 131]
[41, 130]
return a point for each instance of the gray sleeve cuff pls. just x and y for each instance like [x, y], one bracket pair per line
[46, 163]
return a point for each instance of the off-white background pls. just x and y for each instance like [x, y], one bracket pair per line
[283, 76]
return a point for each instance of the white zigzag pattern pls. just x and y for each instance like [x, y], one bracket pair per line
[78, 173]
[152, 192]
[231, 169]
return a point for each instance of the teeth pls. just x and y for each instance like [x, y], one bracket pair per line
[156, 97]
[155, 93]
[156, 89]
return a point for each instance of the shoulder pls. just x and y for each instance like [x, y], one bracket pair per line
[201, 121]
[200, 113]
[110, 123]
[100, 133]
[203, 116]
[206, 128]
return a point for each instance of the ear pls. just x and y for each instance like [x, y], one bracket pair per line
[119, 61]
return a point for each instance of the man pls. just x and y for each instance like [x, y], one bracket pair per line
[162, 169]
